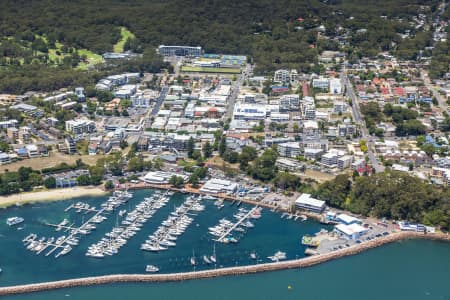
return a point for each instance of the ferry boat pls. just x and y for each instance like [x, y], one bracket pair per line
[151, 269]
[14, 221]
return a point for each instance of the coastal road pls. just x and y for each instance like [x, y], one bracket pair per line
[359, 120]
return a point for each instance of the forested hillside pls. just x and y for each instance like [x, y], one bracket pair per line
[281, 33]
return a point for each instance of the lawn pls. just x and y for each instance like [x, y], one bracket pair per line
[118, 48]
[210, 70]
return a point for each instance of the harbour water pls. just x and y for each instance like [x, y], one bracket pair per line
[404, 270]
[270, 234]
[413, 270]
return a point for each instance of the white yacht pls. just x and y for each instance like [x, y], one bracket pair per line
[151, 269]
[14, 221]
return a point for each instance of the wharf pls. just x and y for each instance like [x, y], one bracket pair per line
[220, 239]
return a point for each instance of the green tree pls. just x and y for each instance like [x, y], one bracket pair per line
[207, 150]
[50, 182]
[109, 185]
[176, 181]
[190, 147]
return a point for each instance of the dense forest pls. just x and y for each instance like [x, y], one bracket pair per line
[275, 34]
[393, 195]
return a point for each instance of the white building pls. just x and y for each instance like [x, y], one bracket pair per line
[339, 107]
[347, 219]
[335, 86]
[216, 186]
[80, 126]
[281, 76]
[321, 83]
[352, 232]
[160, 177]
[305, 201]
[180, 50]
[291, 149]
[344, 162]
[289, 102]
[249, 112]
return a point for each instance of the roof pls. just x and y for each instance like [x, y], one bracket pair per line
[350, 229]
[306, 199]
[348, 219]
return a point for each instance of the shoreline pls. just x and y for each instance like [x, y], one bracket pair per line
[49, 195]
[241, 270]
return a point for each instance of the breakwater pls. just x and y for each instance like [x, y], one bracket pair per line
[300, 263]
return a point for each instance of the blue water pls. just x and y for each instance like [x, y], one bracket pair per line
[270, 234]
[412, 270]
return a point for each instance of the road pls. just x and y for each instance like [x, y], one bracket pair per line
[441, 101]
[359, 120]
[235, 90]
[160, 100]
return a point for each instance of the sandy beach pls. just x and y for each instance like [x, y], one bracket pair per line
[50, 195]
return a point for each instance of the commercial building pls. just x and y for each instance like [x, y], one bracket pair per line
[216, 186]
[352, 231]
[249, 112]
[180, 50]
[160, 177]
[305, 201]
[347, 220]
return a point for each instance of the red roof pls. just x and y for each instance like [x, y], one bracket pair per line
[384, 90]
[399, 91]
[300, 19]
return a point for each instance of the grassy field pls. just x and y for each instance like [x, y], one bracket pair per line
[210, 70]
[54, 159]
[125, 35]
[92, 58]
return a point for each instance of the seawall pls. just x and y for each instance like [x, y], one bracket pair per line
[241, 270]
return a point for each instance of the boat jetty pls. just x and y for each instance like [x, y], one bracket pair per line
[65, 243]
[174, 226]
[223, 231]
[130, 225]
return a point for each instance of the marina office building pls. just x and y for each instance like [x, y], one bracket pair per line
[306, 202]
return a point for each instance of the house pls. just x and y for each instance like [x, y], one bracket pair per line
[32, 151]
[71, 147]
[4, 158]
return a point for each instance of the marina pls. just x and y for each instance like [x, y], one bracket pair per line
[61, 219]
[130, 225]
[65, 243]
[180, 225]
